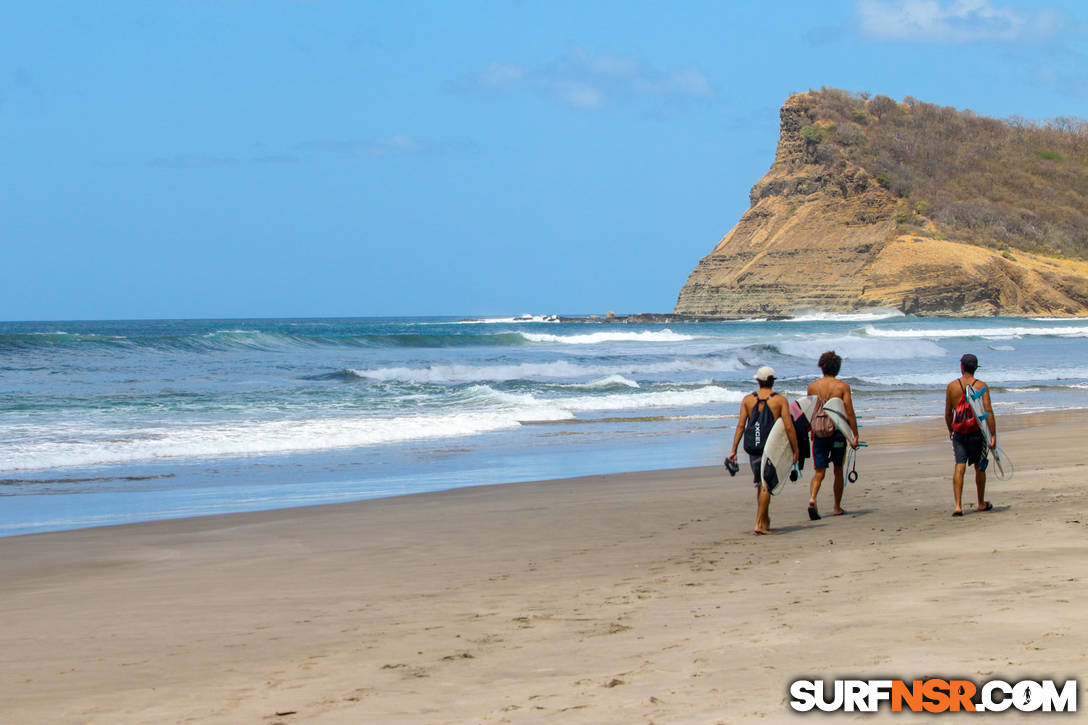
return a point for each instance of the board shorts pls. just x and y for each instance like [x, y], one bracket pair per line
[828, 450]
[970, 448]
[757, 469]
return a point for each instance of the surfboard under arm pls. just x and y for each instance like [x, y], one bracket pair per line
[837, 412]
[974, 399]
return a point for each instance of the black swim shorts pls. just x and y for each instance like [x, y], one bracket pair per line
[828, 450]
[757, 467]
[968, 447]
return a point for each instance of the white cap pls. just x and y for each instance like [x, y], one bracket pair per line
[764, 373]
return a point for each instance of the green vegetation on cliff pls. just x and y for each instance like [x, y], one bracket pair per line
[996, 183]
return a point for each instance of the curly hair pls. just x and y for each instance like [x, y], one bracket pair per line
[830, 363]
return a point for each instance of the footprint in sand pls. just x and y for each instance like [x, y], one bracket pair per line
[459, 656]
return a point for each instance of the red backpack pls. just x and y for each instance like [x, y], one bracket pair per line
[963, 417]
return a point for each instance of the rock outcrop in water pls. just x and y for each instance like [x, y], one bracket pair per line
[827, 231]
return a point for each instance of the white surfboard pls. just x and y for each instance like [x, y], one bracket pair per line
[836, 411]
[777, 453]
[807, 405]
[1003, 468]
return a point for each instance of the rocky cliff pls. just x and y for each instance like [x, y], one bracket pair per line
[826, 231]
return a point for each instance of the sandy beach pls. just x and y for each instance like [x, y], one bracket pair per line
[627, 598]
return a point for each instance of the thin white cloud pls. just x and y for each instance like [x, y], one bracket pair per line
[581, 80]
[194, 161]
[398, 144]
[960, 21]
[577, 95]
[275, 159]
[500, 77]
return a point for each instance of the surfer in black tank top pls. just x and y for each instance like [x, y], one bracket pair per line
[780, 409]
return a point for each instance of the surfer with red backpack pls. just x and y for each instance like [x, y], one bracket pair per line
[758, 412]
[968, 441]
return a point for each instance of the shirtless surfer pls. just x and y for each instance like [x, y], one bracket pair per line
[759, 411]
[831, 448]
[967, 442]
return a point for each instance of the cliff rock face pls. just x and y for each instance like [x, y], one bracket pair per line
[824, 234]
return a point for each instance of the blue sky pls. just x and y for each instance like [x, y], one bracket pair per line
[247, 158]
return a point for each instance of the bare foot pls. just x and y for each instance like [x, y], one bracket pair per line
[762, 531]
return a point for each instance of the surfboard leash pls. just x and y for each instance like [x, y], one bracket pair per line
[853, 474]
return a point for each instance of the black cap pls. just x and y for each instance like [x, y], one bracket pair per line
[969, 361]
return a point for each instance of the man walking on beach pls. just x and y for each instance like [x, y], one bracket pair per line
[758, 412]
[828, 442]
[968, 443]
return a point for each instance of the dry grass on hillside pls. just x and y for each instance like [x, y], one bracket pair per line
[998, 183]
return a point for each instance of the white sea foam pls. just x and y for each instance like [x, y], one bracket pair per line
[861, 348]
[607, 381]
[245, 438]
[104, 446]
[1001, 348]
[77, 335]
[480, 409]
[870, 316]
[710, 364]
[461, 373]
[596, 338]
[553, 370]
[708, 395]
[981, 331]
[508, 320]
[1052, 377]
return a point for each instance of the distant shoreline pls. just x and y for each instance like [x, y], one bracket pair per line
[666, 317]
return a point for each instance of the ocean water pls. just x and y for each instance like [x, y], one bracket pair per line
[114, 422]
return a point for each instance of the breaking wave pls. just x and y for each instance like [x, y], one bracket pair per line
[870, 316]
[981, 332]
[608, 381]
[554, 370]
[596, 338]
[227, 340]
[859, 348]
[479, 409]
